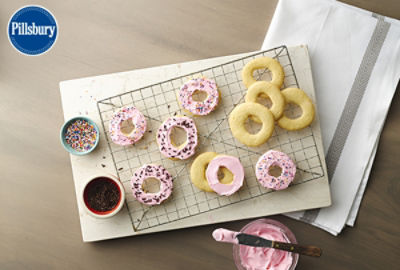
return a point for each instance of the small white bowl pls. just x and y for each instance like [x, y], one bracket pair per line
[101, 214]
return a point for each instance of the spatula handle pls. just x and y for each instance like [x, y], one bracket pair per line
[303, 250]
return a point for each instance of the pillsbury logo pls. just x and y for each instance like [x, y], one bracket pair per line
[32, 30]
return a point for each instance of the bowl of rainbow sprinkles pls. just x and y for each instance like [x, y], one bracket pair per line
[79, 135]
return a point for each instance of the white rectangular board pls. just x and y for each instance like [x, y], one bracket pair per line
[153, 90]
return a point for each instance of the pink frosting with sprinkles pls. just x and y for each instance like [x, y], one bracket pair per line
[199, 107]
[164, 137]
[138, 120]
[154, 171]
[231, 163]
[275, 158]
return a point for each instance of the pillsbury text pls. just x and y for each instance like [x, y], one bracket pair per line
[24, 29]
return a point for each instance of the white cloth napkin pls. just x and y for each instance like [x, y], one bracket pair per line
[355, 58]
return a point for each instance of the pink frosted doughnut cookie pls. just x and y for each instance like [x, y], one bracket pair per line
[275, 158]
[153, 171]
[138, 120]
[232, 164]
[167, 146]
[199, 107]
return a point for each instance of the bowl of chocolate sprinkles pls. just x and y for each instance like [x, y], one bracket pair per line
[103, 196]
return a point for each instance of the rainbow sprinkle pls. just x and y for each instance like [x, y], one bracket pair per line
[81, 135]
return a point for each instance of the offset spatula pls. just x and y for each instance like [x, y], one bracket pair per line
[224, 235]
[255, 241]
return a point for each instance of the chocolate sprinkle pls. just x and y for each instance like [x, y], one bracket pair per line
[102, 195]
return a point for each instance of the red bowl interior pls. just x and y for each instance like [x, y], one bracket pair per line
[90, 185]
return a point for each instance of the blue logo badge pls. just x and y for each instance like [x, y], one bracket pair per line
[32, 30]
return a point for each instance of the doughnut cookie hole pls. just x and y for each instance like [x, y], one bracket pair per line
[127, 127]
[262, 74]
[199, 95]
[220, 174]
[251, 126]
[178, 137]
[151, 185]
[275, 171]
[292, 110]
[264, 100]
[225, 176]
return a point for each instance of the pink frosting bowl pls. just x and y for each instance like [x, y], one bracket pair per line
[256, 258]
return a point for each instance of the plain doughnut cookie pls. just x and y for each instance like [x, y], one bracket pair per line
[300, 98]
[278, 75]
[238, 117]
[198, 172]
[269, 90]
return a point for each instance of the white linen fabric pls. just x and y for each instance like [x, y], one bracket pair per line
[355, 58]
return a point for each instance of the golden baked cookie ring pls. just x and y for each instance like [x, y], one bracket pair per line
[298, 97]
[261, 63]
[269, 90]
[238, 117]
[198, 172]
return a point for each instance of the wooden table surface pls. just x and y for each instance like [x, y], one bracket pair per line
[39, 225]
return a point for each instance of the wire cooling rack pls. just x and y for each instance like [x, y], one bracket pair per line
[158, 102]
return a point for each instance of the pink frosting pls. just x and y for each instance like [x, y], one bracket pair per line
[137, 119]
[231, 163]
[199, 107]
[164, 139]
[275, 158]
[147, 171]
[224, 235]
[256, 258]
